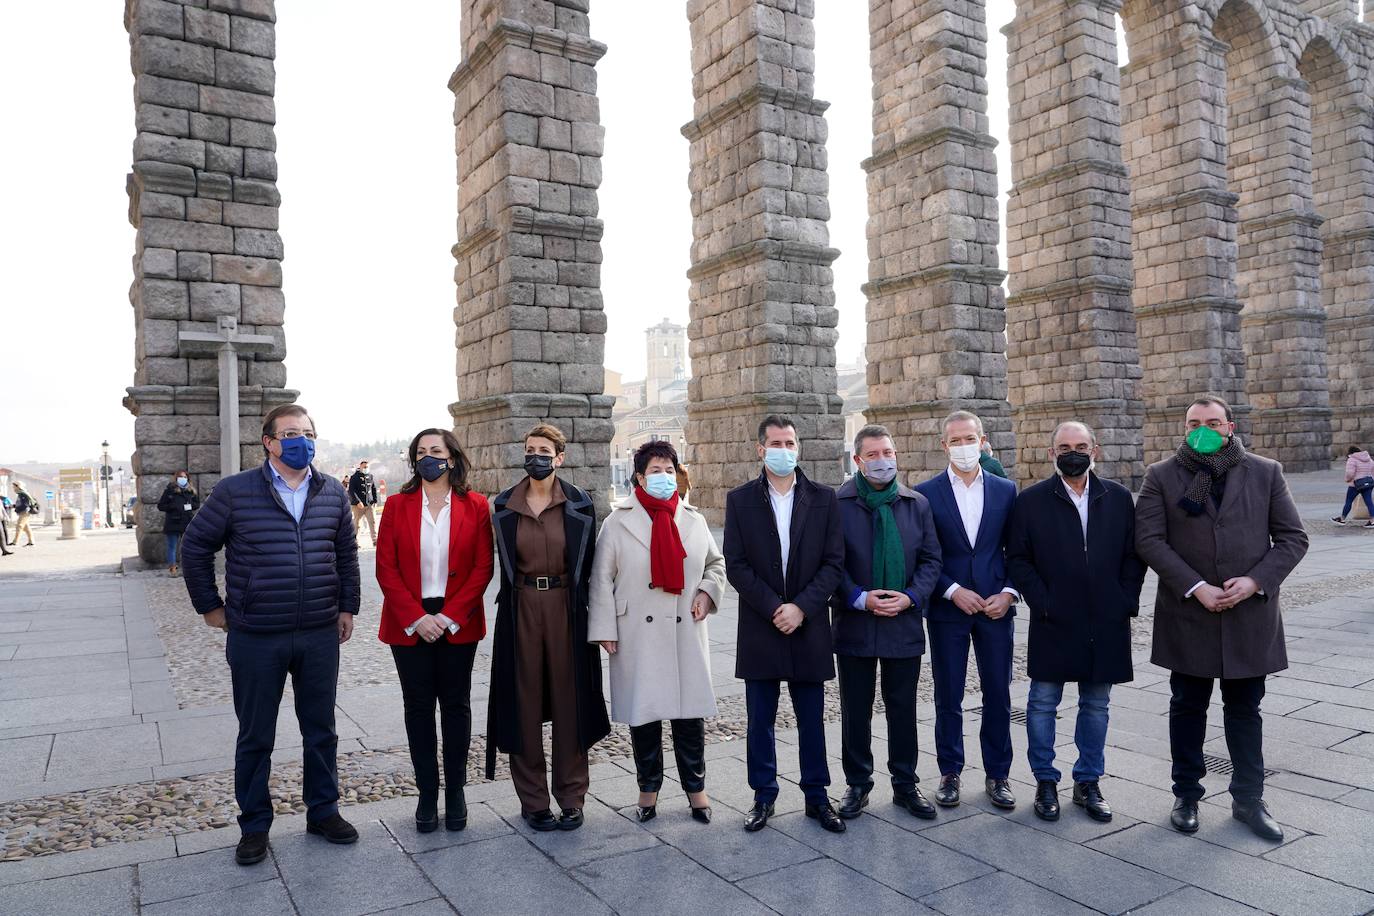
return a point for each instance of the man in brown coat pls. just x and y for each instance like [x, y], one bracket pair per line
[1220, 528]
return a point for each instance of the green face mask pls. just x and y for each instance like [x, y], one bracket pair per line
[1205, 440]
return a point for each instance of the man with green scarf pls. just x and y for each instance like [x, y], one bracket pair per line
[1219, 526]
[891, 563]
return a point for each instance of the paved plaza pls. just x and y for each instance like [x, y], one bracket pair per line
[116, 742]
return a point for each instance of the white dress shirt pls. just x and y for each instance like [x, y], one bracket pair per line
[1081, 504]
[782, 515]
[969, 498]
[434, 558]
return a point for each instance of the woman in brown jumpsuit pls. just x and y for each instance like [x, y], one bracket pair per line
[542, 666]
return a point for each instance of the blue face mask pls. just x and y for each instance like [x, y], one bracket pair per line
[182, 481]
[298, 452]
[781, 461]
[431, 468]
[660, 486]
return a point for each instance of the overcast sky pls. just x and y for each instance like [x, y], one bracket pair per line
[367, 176]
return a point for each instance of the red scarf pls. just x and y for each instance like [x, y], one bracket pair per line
[666, 552]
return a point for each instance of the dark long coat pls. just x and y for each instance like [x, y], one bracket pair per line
[503, 708]
[1081, 596]
[753, 564]
[1256, 532]
[862, 633]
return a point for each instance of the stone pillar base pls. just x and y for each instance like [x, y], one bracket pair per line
[492, 432]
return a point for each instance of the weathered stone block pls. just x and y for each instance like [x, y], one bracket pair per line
[174, 59]
[263, 305]
[154, 17]
[159, 262]
[245, 270]
[186, 236]
[244, 71]
[262, 243]
[235, 103]
[251, 216]
[253, 36]
[254, 9]
[161, 299]
[207, 27]
[209, 127]
[211, 300]
[255, 191]
[193, 265]
[161, 119]
[260, 163]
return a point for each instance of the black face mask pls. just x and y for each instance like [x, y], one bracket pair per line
[431, 468]
[538, 466]
[1073, 464]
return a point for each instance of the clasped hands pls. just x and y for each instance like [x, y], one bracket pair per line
[970, 602]
[1231, 593]
[884, 603]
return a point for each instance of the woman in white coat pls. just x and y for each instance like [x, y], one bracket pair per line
[658, 573]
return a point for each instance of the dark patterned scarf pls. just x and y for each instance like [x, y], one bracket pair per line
[1206, 469]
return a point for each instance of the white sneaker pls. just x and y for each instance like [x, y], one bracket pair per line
[1338, 519]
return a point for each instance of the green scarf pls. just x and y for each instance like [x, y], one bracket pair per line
[889, 560]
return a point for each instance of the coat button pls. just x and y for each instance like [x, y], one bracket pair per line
[679, 620]
[649, 619]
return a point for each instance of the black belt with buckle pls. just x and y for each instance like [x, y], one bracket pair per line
[543, 583]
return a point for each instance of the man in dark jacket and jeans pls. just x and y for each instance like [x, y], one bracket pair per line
[891, 564]
[1071, 555]
[291, 577]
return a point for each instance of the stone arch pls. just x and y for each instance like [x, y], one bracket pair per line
[1183, 217]
[1342, 125]
[1264, 121]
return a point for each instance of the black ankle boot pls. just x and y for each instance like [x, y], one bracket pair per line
[427, 811]
[455, 808]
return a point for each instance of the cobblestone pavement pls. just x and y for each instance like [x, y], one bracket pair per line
[116, 741]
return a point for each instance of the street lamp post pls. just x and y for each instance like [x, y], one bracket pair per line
[123, 517]
[105, 480]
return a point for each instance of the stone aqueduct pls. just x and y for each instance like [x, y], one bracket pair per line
[1202, 219]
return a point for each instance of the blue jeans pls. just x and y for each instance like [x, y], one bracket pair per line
[1350, 493]
[173, 546]
[1089, 733]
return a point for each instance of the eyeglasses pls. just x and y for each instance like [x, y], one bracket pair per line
[293, 434]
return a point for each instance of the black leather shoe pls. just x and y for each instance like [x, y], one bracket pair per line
[913, 801]
[999, 790]
[645, 812]
[334, 829]
[826, 815]
[758, 816]
[1088, 796]
[947, 796]
[854, 802]
[252, 848]
[1255, 815]
[427, 812]
[1047, 799]
[455, 808]
[702, 815]
[571, 819]
[1184, 816]
[543, 821]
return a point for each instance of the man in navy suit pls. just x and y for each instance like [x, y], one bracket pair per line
[784, 554]
[973, 602]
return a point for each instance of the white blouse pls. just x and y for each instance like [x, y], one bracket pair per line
[434, 534]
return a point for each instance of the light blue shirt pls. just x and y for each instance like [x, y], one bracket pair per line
[294, 499]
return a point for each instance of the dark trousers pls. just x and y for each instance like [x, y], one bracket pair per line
[1240, 698]
[808, 703]
[258, 666]
[1351, 493]
[689, 747]
[858, 683]
[439, 672]
[949, 644]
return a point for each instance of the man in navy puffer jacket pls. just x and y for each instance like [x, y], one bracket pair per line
[292, 588]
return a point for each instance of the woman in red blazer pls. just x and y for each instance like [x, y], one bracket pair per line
[434, 560]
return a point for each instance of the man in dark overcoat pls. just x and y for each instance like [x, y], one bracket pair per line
[784, 555]
[1220, 527]
[1071, 555]
[891, 563]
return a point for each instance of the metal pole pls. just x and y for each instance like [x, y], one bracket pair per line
[105, 479]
